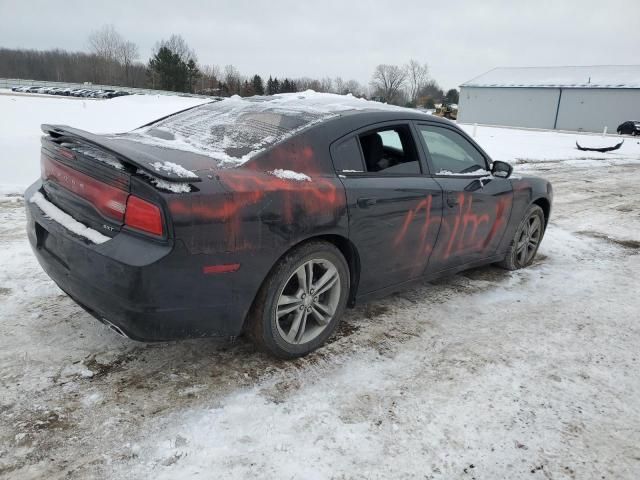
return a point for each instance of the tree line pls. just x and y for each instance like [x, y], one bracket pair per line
[174, 66]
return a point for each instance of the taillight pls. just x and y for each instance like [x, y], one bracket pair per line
[109, 200]
[144, 216]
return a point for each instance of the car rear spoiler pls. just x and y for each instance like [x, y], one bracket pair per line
[126, 152]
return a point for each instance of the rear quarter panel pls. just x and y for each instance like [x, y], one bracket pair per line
[250, 216]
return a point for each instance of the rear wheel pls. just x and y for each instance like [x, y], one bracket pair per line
[526, 240]
[301, 301]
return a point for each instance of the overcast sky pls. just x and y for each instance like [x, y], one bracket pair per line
[457, 39]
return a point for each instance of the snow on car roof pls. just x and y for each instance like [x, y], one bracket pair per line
[596, 76]
[236, 129]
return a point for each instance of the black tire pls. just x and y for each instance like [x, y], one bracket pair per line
[267, 329]
[518, 257]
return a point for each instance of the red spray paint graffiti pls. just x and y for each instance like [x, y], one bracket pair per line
[254, 188]
[469, 230]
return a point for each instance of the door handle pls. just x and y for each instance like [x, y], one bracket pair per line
[452, 199]
[366, 202]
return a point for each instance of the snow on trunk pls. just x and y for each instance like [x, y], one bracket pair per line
[66, 220]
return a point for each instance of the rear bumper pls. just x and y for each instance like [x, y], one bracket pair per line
[149, 291]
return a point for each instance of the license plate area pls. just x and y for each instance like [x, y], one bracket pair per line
[49, 243]
[41, 235]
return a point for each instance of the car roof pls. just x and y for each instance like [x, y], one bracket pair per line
[352, 120]
[234, 130]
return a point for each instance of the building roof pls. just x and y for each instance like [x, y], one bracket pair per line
[595, 76]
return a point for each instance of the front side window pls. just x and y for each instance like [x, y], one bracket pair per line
[390, 150]
[451, 153]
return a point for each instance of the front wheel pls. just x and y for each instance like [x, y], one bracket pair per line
[526, 240]
[301, 301]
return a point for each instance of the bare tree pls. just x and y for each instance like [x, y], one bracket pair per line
[179, 46]
[306, 83]
[127, 54]
[326, 85]
[114, 56]
[339, 86]
[210, 79]
[430, 94]
[232, 79]
[105, 42]
[388, 80]
[353, 87]
[417, 77]
[61, 66]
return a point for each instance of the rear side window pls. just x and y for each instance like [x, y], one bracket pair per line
[390, 150]
[346, 156]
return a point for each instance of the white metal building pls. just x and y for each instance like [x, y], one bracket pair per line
[563, 98]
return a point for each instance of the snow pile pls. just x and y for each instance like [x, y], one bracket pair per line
[234, 130]
[66, 220]
[290, 175]
[173, 168]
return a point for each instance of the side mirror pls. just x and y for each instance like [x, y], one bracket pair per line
[501, 169]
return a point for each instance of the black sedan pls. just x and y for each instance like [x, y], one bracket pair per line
[271, 215]
[631, 127]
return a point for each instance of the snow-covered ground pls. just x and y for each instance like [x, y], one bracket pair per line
[522, 147]
[488, 374]
[21, 116]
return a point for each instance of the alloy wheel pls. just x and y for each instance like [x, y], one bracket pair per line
[529, 240]
[308, 301]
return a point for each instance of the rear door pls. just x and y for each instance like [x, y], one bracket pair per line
[476, 204]
[394, 205]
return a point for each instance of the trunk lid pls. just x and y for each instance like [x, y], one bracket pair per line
[89, 176]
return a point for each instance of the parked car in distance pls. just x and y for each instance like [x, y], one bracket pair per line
[106, 93]
[284, 211]
[631, 127]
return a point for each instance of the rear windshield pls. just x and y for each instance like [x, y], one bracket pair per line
[235, 129]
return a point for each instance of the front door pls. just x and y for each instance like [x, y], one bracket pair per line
[394, 208]
[477, 205]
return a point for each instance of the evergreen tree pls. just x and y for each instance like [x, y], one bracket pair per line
[270, 89]
[276, 86]
[258, 86]
[286, 86]
[171, 71]
[193, 73]
[452, 96]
